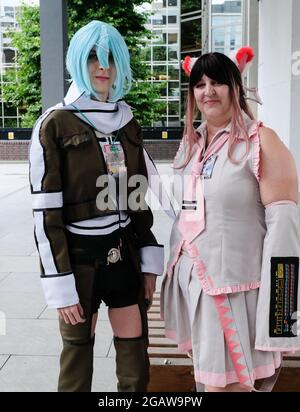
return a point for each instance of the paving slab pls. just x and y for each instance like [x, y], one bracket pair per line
[40, 374]
[42, 337]
[3, 360]
[20, 305]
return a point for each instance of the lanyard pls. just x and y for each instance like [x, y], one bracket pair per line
[114, 137]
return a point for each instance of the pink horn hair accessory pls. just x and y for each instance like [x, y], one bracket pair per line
[188, 64]
[242, 57]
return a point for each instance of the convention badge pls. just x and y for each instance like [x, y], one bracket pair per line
[209, 166]
[115, 159]
[283, 300]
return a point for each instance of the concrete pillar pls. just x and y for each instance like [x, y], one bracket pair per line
[251, 38]
[295, 85]
[279, 70]
[53, 19]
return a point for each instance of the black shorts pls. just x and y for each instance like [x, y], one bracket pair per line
[97, 280]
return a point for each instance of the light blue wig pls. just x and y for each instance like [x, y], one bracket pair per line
[105, 38]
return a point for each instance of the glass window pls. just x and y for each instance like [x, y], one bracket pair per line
[226, 6]
[10, 122]
[172, 19]
[160, 72]
[162, 88]
[188, 6]
[159, 53]
[173, 108]
[173, 121]
[9, 56]
[146, 54]
[9, 110]
[191, 34]
[9, 11]
[157, 19]
[173, 72]
[170, 3]
[162, 122]
[158, 37]
[173, 53]
[226, 32]
[172, 38]
[173, 89]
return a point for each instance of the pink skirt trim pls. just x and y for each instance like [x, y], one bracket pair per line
[222, 379]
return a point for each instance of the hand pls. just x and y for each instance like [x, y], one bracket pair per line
[149, 288]
[72, 314]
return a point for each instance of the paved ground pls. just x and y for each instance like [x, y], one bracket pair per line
[30, 347]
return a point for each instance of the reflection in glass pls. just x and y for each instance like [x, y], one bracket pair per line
[173, 72]
[226, 6]
[172, 38]
[146, 54]
[170, 3]
[173, 53]
[227, 19]
[191, 35]
[160, 72]
[188, 6]
[159, 53]
[173, 108]
[173, 89]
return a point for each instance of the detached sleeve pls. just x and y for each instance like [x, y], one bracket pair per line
[277, 319]
[47, 198]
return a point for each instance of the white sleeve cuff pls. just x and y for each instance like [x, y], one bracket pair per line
[152, 259]
[60, 290]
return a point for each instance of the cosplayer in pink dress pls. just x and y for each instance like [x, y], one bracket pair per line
[231, 292]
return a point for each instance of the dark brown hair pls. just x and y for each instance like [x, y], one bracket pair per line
[219, 67]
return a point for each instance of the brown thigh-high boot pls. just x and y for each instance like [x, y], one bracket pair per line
[132, 365]
[76, 365]
[132, 360]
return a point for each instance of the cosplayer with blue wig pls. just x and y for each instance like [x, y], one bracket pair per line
[94, 252]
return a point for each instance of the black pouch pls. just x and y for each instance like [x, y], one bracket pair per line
[114, 256]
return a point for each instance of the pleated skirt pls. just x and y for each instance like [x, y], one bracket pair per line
[195, 321]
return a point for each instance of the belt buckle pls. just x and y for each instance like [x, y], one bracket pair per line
[114, 255]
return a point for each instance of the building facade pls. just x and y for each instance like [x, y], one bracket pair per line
[162, 55]
[9, 115]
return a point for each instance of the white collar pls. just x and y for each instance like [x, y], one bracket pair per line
[104, 117]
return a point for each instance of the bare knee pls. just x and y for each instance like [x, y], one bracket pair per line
[126, 322]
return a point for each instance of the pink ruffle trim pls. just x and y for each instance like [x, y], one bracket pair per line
[207, 282]
[256, 150]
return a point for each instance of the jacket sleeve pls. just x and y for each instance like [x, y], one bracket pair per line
[151, 252]
[47, 198]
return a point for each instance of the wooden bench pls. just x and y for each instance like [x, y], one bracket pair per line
[172, 371]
